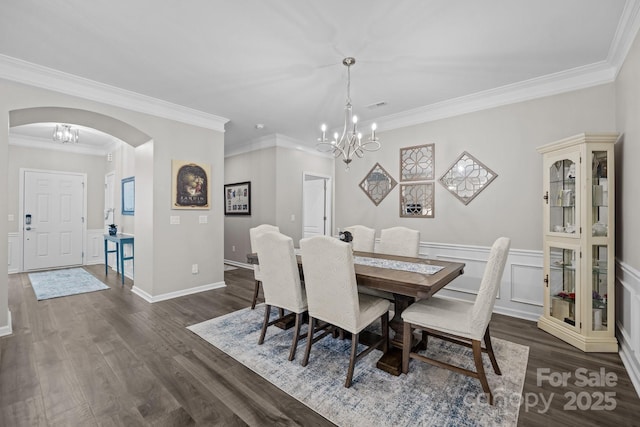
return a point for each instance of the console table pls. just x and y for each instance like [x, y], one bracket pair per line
[120, 240]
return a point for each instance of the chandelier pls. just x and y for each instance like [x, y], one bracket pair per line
[64, 134]
[350, 142]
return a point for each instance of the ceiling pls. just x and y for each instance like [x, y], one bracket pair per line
[279, 63]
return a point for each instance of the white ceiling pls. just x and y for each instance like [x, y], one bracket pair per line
[279, 62]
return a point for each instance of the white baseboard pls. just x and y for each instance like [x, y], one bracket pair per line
[7, 330]
[170, 295]
[239, 264]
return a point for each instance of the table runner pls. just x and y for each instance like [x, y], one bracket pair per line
[397, 265]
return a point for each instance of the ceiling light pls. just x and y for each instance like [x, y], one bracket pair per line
[350, 142]
[64, 134]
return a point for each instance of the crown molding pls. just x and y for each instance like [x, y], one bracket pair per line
[47, 78]
[46, 144]
[552, 84]
[628, 27]
[273, 140]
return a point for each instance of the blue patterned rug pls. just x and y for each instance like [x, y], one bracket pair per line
[427, 396]
[61, 283]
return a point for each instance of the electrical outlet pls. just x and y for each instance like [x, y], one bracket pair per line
[203, 219]
[194, 269]
[233, 248]
[174, 220]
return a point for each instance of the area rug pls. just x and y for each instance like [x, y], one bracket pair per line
[61, 283]
[427, 396]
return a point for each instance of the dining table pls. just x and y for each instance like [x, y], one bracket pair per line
[408, 279]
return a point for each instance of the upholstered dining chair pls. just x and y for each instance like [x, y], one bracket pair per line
[462, 322]
[280, 282]
[401, 241]
[364, 238]
[332, 296]
[253, 233]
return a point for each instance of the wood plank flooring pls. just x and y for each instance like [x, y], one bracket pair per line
[109, 358]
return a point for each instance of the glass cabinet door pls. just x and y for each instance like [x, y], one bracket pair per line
[599, 292]
[561, 196]
[562, 279]
[600, 194]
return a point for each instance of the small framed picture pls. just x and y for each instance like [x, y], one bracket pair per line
[237, 198]
[128, 196]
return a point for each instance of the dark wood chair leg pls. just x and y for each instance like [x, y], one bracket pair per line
[425, 340]
[489, 347]
[265, 323]
[256, 290]
[477, 357]
[281, 312]
[312, 324]
[352, 359]
[406, 346]
[385, 332]
[296, 336]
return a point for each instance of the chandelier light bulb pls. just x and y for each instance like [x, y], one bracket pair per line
[355, 119]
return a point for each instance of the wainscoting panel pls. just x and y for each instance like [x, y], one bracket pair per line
[15, 253]
[521, 290]
[95, 247]
[628, 319]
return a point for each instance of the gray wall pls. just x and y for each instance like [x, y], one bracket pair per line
[164, 254]
[627, 157]
[276, 186]
[34, 158]
[504, 139]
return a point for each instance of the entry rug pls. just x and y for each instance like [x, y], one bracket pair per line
[61, 283]
[427, 396]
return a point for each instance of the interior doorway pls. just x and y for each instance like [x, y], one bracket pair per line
[53, 218]
[316, 205]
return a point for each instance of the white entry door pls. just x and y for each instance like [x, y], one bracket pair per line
[316, 206]
[53, 220]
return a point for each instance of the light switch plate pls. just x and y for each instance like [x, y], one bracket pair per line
[203, 219]
[174, 220]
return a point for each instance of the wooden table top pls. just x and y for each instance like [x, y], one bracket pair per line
[401, 282]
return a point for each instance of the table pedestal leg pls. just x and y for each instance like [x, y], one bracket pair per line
[391, 361]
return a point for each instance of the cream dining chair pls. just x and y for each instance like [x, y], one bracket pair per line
[462, 322]
[401, 241]
[364, 238]
[253, 233]
[280, 282]
[332, 296]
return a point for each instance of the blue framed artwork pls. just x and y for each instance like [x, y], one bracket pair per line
[128, 195]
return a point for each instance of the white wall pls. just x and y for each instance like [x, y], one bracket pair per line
[627, 208]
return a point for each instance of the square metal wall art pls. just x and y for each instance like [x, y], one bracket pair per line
[417, 200]
[467, 177]
[377, 184]
[417, 163]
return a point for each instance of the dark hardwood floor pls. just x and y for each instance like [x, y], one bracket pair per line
[109, 358]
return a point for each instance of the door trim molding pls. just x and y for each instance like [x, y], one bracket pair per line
[331, 210]
[22, 171]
